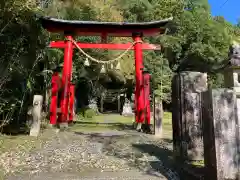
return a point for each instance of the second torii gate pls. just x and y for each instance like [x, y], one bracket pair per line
[104, 30]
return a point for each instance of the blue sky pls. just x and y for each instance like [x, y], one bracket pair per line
[230, 10]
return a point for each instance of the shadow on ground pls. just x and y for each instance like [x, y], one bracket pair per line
[14, 131]
[167, 140]
[116, 126]
[186, 171]
[147, 155]
[161, 153]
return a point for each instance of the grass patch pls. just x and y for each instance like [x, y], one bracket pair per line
[102, 122]
[91, 128]
[106, 122]
[197, 163]
[167, 121]
[167, 125]
[109, 118]
[22, 142]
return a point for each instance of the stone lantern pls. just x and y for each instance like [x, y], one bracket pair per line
[232, 72]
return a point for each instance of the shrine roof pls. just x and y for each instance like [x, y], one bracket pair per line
[93, 28]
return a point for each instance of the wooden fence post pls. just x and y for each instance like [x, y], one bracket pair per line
[101, 103]
[158, 116]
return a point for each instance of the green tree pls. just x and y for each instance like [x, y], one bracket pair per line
[196, 41]
[22, 44]
[149, 10]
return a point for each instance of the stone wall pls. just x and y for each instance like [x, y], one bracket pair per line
[220, 128]
[186, 115]
[210, 118]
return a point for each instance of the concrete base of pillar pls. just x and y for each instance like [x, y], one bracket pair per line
[63, 126]
[139, 127]
[52, 126]
[71, 123]
[158, 134]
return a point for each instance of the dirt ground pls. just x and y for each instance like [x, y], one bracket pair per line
[106, 148]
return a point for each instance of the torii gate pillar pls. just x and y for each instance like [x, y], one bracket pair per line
[139, 92]
[66, 82]
[146, 84]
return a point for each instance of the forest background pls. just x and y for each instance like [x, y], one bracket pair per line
[195, 40]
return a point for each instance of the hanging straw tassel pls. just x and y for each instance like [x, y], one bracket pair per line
[111, 66]
[103, 70]
[118, 67]
[86, 62]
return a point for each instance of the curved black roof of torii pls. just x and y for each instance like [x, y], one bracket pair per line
[92, 28]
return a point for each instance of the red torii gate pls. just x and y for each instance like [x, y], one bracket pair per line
[102, 29]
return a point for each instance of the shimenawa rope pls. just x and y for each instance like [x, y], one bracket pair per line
[104, 62]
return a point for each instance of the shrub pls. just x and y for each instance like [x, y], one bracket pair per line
[89, 113]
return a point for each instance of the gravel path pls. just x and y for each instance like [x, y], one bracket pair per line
[111, 155]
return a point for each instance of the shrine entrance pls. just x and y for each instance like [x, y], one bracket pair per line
[65, 113]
